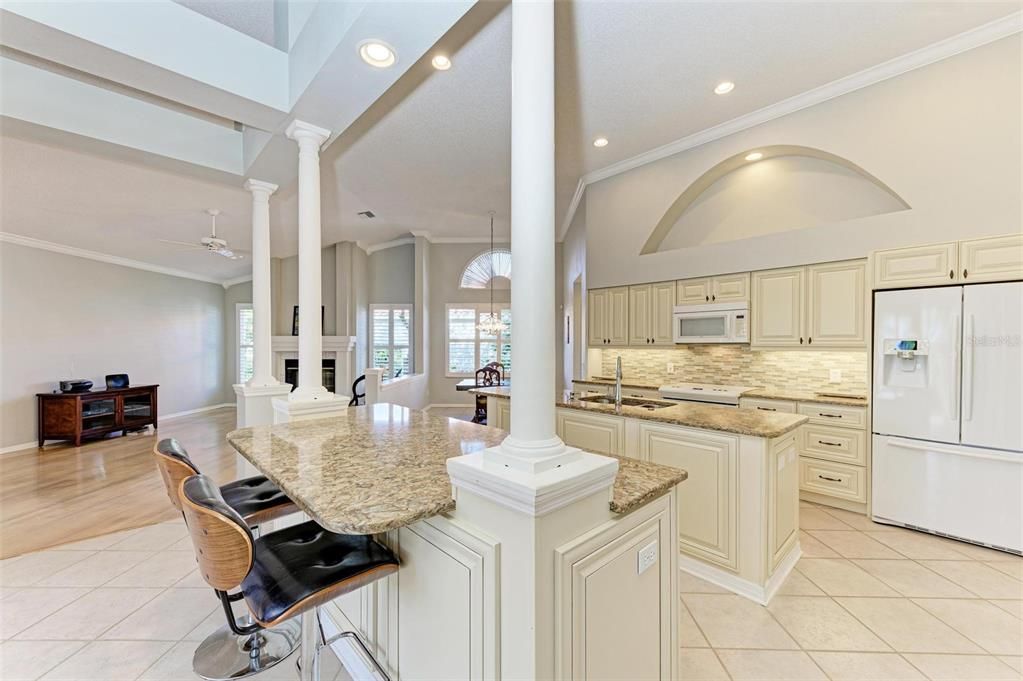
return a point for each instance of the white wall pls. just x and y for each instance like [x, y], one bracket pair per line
[573, 266]
[67, 317]
[946, 138]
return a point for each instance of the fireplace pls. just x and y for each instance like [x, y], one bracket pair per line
[291, 373]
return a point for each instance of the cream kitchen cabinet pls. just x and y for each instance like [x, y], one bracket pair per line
[930, 265]
[999, 258]
[595, 433]
[650, 314]
[814, 306]
[608, 316]
[723, 289]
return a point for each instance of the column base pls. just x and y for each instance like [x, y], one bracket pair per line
[286, 409]
[489, 475]
[255, 406]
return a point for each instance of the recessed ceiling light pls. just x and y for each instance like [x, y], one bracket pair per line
[377, 53]
[441, 62]
[600, 142]
[755, 156]
[724, 87]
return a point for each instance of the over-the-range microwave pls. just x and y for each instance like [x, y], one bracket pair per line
[712, 323]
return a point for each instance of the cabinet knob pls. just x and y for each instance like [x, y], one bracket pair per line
[800, 340]
[713, 297]
[951, 274]
[964, 273]
[809, 340]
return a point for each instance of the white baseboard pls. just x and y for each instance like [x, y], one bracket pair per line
[736, 584]
[34, 444]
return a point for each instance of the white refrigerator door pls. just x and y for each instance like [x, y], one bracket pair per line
[992, 401]
[918, 397]
[966, 492]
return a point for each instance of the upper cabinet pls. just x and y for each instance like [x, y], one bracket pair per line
[997, 258]
[608, 316]
[723, 289]
[650, 314]
[816, 306]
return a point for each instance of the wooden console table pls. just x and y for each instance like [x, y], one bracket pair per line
[73, 416]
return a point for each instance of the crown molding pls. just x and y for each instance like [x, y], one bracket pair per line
[404, 241]
[943, 49]
[29, 242]
[228, 283]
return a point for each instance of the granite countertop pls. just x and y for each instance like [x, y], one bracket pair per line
[689, 414]
[379, 467]
[793, 394]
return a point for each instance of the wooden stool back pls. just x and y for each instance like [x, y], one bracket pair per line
[223, 541]
[175, 466]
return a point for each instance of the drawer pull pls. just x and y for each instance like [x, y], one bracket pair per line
[824, 477]
[767, 409]
[830, 416]
[829, 444]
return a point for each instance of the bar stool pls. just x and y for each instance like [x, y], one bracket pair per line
[233, 651]
[282, 574]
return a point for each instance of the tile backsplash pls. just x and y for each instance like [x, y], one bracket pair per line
[739, 365]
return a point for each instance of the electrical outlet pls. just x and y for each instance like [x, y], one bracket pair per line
[671, 368]
[647, 557]
[835, 376]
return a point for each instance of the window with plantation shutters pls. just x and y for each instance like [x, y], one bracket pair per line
[245, 331]
[390, 339]
[467, 348]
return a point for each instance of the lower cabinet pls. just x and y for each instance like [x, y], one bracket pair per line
[708, 504]
[595, 433]
[833, 479]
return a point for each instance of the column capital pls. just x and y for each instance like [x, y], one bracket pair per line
[300, 131]
[260, 187]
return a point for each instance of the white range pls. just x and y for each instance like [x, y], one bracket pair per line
[724, 395]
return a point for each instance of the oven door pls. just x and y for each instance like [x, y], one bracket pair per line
[703, 327]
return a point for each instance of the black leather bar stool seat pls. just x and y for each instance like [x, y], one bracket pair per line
[303, 565]
[282, 574]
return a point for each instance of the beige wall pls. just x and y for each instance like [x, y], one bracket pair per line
[946, 138]
[392, 275]
[286, 292]
[67, 317]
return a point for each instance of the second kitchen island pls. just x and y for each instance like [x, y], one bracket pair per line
[738, 514]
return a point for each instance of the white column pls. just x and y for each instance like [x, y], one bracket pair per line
[262, 372]
[310, 331]
[533, 434]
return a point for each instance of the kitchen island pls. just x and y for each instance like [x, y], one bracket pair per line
[739, 509]
[381, 469]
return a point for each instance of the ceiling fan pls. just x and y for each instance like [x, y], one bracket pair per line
[211, 243]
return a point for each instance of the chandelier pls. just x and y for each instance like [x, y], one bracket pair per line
[490, 323]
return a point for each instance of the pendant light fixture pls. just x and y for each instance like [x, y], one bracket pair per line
[490, 323]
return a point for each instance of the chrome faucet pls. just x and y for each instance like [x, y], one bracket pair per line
[618, 382]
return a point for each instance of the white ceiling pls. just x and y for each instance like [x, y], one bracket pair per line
[639, 73]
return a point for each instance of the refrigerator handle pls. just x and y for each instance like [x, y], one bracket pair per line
[956, 369]
[956, 450]
[968, 370]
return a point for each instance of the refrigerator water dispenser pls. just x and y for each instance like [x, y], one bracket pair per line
[905, 361]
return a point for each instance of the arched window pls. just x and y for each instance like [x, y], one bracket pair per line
[477, 273]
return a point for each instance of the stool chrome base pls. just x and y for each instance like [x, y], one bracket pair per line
[225, 655]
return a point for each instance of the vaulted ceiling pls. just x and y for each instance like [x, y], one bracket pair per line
[429, 151]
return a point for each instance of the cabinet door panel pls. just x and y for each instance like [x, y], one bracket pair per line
[693, 291]
[778, 307]
[662, 307]
[996, 259]
[596, 316]
[618, 316]
[639, 315]
[730, 287]
[931, 265]
[844, 445]
[590, 432]
[707, 507]
[783, 506]
[836, 305]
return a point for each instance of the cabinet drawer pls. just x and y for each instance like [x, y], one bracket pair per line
[764, 404]
[844, 445]
[834, 414]
[833, 479]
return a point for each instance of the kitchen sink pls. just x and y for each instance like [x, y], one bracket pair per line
[649, 405]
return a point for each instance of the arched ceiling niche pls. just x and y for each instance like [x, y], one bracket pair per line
[791, 187]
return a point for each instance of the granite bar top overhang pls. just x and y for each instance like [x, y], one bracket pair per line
[380, 467]
[689, 414]
[791, 394]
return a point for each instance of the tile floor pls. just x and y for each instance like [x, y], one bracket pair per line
[128, 605]
[867, 602]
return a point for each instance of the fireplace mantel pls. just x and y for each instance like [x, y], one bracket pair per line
[337, 348]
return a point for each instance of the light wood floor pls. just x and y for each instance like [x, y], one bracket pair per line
[61, 493]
